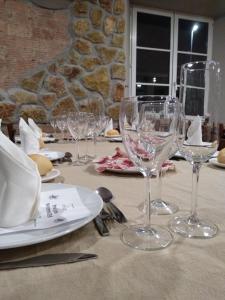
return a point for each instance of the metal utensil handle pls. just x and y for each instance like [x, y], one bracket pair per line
[101, 227]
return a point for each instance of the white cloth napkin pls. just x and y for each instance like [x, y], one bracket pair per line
[20, 185]
[109, 126]
[194, 132]
[35, 128]
[29, 140]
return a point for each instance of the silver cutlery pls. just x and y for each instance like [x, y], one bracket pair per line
[111, 212]
[101, 226]
[114, 211]
[46, 260]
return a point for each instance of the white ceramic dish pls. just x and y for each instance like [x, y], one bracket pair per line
[89, 198]
[216, 163]
[131, 170]
[46, 139]
[178, 154]
[52, 155]
[54, 173]
[113, 136]
[115, 139]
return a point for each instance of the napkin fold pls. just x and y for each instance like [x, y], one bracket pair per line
[29, 139]
[194, 133]
[109, 126]
[20, 185]
[37, 130]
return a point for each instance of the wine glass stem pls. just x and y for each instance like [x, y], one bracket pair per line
[195, 178]
[147, 221]
[77, 149]
[159, 185]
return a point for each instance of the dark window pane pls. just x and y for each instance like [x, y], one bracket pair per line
[185, 58]
[150, 28]
[151, 90]
[152, 66]
[192, 36]
[194, 104]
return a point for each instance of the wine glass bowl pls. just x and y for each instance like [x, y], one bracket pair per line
[199, 95]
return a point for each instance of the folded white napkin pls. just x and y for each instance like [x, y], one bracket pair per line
[194, 132]
[20, 185]
[29, 140]
[35, 128]
[109, 126]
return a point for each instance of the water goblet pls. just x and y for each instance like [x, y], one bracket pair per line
[147, 147]
[53, 125]
[199, 94]
[73, 126]
[62, 125]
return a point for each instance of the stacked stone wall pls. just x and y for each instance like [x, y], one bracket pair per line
[89, 75]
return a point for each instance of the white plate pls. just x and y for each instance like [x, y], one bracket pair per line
[216, 163]
[113, 136]
[178, 154]
[52, 155]
[130, 170]
[44, 138]
[89, 198]
[50, 175]
[115, 139]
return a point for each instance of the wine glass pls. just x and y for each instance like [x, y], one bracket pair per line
[147, 147]
[86, 126]
[62, 125]
[159, 205]
[101, 121]
[72, 123]
[91, 151]
[199, 93]
[53, 125]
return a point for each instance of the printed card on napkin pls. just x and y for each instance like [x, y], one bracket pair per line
[109, 126]
[20, 185]
[57, 207]
[29, 140]
[194, 132]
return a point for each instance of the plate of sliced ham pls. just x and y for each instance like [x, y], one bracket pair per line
[119, 162]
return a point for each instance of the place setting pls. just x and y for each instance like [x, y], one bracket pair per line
[38, 212]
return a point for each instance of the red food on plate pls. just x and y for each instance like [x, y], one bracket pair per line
[120, 161]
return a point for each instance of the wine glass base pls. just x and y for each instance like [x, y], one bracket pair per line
[76, 163]
[161, 207]
[147, 238]
[190, 227]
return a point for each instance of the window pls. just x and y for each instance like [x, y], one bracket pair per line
[161, 42]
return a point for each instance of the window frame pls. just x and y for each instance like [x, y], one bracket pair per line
[173, 47]
[134, 47]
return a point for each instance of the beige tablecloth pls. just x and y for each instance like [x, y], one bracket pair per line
[188, 269]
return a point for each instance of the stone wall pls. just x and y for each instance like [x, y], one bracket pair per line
[29, 36]
[89, 75]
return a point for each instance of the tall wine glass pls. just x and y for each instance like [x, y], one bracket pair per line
[159, 205]
[53, 125]
[147, 147]
[199, 93]
[61, 122]
[73, 126]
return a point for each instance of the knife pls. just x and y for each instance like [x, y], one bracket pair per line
[46, 260]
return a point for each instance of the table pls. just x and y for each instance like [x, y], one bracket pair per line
[188, 269]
